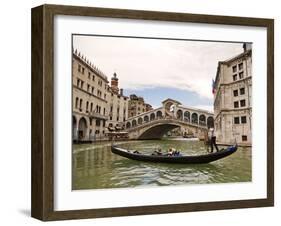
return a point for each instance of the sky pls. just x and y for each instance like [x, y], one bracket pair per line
[157, 69]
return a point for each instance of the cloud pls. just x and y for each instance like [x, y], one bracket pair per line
[204, 107]
[146, 63]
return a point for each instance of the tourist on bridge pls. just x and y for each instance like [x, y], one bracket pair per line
[212, 139]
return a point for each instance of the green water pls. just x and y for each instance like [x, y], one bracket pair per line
[95, 167]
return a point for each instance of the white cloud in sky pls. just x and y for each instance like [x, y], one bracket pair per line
[147, 63]
[204, 107]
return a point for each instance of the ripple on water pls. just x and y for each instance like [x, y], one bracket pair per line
[96, 167]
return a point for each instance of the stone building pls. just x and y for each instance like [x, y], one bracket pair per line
[96, 105]
[137, 106]
[233, 99]
[118, 106]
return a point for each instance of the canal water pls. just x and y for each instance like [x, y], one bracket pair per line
[95, 167]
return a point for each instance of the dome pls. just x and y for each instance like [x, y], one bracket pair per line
[114, 77]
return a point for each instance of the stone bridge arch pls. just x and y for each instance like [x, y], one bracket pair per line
[157, 129]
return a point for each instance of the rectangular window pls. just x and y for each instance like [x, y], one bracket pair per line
[234, 77]
[243, 119]
[78, 82]
[88, 88]
[242, 103]
[93, 90]
[240, 66]
[83, 70]
[79, 67]
[98, 122]
[89, 75]
[82, 83]
[76, 102]
[236, 104]
[244, 138]
[236, 120]
[241, 75]
[93, 78]
[80, 105]
[235, 92]
[234, 68]
[242, 91]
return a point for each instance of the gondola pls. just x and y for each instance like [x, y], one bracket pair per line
[197, 159]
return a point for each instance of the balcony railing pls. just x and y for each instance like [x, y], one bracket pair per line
[98, 115]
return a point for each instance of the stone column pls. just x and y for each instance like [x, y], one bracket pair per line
[75, 131]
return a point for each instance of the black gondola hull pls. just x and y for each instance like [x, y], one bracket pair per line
[198, 159]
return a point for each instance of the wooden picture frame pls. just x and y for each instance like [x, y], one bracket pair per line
[42, 203]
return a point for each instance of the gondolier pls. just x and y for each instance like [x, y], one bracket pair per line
[212, 139]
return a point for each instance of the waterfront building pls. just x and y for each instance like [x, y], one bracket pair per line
[137, 106]
[233, 99]
[96, 105]
[117, 106]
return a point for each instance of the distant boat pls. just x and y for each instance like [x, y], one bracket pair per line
[188, 136]
[197, 159]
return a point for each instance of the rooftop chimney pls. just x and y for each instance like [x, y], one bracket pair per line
[247, 46]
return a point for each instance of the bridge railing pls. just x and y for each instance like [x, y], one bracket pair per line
[165, 120]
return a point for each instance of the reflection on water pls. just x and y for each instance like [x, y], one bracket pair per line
[94, 166]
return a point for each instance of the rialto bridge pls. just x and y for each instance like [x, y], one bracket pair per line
[157, 122]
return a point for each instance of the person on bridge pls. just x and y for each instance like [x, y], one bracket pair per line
[212, 140]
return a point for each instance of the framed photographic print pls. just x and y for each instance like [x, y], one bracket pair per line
[141, 112]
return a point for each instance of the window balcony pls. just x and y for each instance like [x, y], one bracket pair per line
[98, 115]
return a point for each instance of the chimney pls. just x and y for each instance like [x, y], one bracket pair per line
[121, 92]
[247, 46]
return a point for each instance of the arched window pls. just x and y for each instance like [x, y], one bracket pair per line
[194, 118]
[82, 128]
[139, 121]
[128, 125]
[159, 114]
[80, 105]
[186, 116]
[202, 120]
[179, 114]
[152, 116]
[146, 119]
[134, 123]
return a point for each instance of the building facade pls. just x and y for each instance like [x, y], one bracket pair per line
[117, 106]
[137, 106]
[97, 106]
[233, 99]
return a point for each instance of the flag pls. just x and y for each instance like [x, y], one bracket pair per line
[213, 87]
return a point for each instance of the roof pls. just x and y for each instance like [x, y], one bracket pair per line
[228, 61]
[89, 64]
[170, 100]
